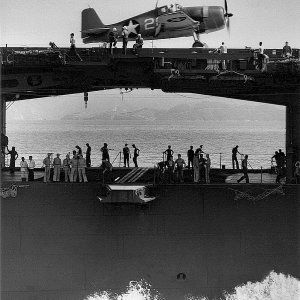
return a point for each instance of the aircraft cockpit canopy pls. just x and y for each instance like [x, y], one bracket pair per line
[172, 8]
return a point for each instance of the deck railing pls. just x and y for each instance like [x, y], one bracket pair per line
[219, 160]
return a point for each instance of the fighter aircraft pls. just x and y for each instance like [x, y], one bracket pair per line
[160, 23]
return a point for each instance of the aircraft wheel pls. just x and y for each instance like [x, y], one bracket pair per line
[198, 44]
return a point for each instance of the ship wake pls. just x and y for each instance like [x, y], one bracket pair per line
[273, 287]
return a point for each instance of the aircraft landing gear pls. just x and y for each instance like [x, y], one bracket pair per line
[197, 43]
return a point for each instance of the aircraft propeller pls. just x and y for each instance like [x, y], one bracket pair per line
[227, 15]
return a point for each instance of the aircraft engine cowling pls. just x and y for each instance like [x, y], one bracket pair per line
[215, 20]
[210, 18]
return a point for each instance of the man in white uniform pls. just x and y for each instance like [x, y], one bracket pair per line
[57, 167]
[31, 166]
[24, 169]
[223, 49]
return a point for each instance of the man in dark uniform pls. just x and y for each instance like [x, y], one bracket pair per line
[136, 153]
[201, 168]
[13, 157]
[199, 150]
[79, 150]
[4, 143]
[126, 154]
[245, 170]
[88, 155]
[286, 50]
[105, 154]
[138, 43]
[113, 39]
[280, 161]
[234, 157]
[169, 152]
[190, 155]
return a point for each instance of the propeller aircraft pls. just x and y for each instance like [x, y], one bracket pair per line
[160, 23]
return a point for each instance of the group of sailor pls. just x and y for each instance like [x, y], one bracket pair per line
[200, 165]
[113, 39]
[27, 169]
[73, 167]
[126, 155]
[262, 58]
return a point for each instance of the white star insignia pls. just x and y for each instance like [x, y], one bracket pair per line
[131, 27]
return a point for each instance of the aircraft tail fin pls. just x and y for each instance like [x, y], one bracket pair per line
[90, 22]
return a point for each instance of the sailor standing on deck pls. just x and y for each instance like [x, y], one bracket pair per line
[199, 150]
[72, 41]
[13, 157]
[169, 152]
[105, 153]
[113, 39]
[207, 168]
[170, 169]
[73, 51]
[88, 155]
[31, 166]
[180, 164]
[136, 153]
[138, 43]
[235, 151]
[74, 167]
[202, 163]
[190, 155]
[79, 150]
[126, 155]
[125, 34]
[245, 170]
[286, 50]
[260, 56]
[24, 169]
[223, 49]
[196, 167]
[57, 167]
[47, 164]
[66, 166]
[81, 169]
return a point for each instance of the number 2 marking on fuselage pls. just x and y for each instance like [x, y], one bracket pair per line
[150, 23]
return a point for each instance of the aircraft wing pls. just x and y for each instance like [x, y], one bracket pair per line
[95, 31]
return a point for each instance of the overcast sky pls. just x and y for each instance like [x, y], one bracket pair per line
[36, 22]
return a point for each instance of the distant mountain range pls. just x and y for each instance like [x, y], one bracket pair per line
[204, 111]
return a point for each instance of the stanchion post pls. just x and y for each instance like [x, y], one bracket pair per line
[220, 161]
[261, 174]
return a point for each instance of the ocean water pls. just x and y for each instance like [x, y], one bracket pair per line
[257, 139]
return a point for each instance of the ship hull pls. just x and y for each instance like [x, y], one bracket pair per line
[60, 242]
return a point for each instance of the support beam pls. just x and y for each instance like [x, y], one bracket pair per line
[3, 116]
[292, 137]
[2, 131]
